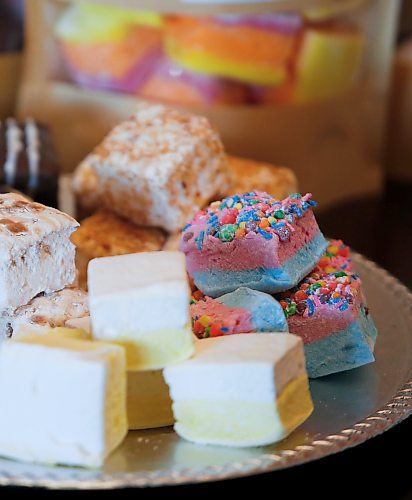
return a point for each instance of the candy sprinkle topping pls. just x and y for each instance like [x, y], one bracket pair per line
[331, 283]
[205, 326]
[252, 212]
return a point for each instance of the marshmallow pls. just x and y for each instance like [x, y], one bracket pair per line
[172, 162]
[141, 301]
[148, 401]
[36, 252]
[252, 240]
[44, 312]
[328, 311]
[49, 414]
[253, 390]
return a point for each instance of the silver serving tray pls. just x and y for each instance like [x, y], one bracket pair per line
[350, 408]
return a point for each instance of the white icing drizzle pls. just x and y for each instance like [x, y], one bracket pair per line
[33, 152]
[13, 148]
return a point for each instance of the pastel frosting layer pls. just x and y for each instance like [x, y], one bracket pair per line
[241, 311]
[343, 349]
[252, 240]
[216, 282]
[327, 310]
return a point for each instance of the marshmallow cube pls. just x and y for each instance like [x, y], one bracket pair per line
[240, 390]
[63, 400]
[141, 301]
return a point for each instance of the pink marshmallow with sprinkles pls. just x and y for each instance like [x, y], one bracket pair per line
[252, 240]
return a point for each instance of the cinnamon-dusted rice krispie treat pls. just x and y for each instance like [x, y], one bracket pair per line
[105, 234]
[249, 175]
[36, 254]
[156, 168]
[45, 311]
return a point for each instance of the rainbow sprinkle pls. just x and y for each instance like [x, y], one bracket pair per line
[258, 212]
[204, 327]
[331, 282]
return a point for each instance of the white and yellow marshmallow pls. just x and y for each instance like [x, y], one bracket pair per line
[148, 400]
[63, 400]
[141, 301]
[241, 390]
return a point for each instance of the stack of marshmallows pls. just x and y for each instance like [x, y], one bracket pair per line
[86, 385]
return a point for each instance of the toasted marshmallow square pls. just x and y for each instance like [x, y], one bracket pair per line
[45, 311]
[63, 400]
[240, 390]
[156, 168]
[36, 254]
[141, 301]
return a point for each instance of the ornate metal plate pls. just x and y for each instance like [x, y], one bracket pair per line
[350, 408]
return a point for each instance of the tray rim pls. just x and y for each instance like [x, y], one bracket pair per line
[397, 409]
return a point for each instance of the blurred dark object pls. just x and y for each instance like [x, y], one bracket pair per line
[11, 43]
[399, 145]
[405, 22]
[7, 189]
[398, 153]
[11, 25]
[378, 227]
[28, 160]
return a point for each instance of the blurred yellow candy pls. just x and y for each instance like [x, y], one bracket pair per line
[86, 22]
[327, 64]
[146, 17]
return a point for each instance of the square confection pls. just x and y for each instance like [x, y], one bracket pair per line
[104, 234]
[240, 390]
[63, 400]
[252, 240]
[249, 175]
[148, 400]
[45, 311]
[327, 309]
[36, 253]
[29, 160]
[141, 301]
[156, 168]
